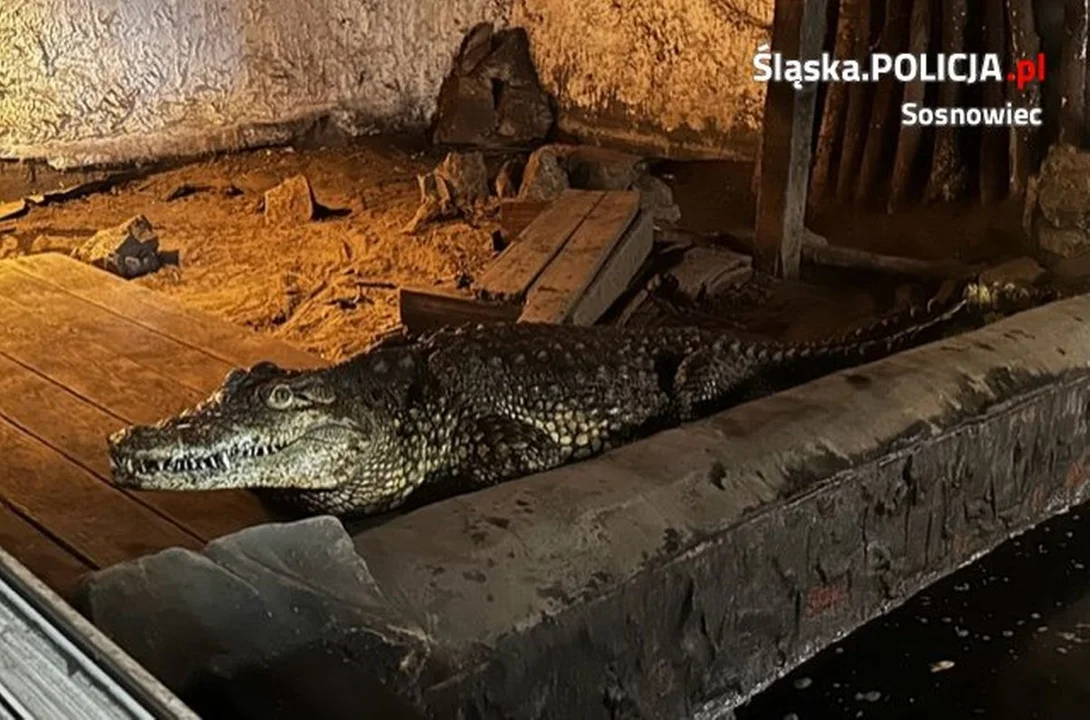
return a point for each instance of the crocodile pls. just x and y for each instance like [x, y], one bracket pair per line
[468, 407]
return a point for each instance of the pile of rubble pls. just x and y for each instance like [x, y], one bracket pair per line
[462, 186]
[492, 96]
[1058, 205]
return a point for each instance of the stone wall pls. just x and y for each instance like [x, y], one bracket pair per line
[669, 578]
[92, 81]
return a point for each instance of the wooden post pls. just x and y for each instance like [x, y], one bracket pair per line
[1024, 44]
[1073, 73]
[798, 32]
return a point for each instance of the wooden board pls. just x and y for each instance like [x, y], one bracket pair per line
[517, 267]
[57, 567]
[555, 293]
[82, 354]
[517, 215]
[423, 310]
[798, 30]
[617, 272]
[159, 313]
[77, 429]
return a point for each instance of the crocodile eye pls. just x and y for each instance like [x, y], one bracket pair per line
[280, 397]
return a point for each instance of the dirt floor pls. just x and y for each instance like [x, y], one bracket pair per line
[329, 286]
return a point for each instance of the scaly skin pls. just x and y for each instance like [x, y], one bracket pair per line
[463, 409]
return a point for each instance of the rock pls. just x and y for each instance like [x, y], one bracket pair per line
[1065, 242]
[262, 594]
[290, 203]
[524, 115]
[456, 187]
[544, 178]
[509, 178]
[466, 112]
[657, 198]
[597, 168]
[475, 48]
[1058, 208]
[12, 209]
[129, 250]
[467, 177]
[9, 247]
[510, 61]
[1063, 188]
[1022, 271]
[492, 96]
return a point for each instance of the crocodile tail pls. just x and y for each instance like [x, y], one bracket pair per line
[881, 338]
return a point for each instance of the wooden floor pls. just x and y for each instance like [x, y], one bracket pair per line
[82, 354]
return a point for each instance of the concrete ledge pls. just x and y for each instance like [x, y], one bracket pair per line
[670, 578]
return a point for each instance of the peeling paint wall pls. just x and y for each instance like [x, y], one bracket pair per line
[675, 75]
[88, 81]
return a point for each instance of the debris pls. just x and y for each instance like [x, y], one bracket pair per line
[942, 666]
[457, 187]
[12, 209]
[544, 178]
[597, 168]
[1023, 271]
[802, 683]
[493, 96]
[467, 178]
[129, 250]
[181, 191]
[1059, 217]
[509, 179]
[290, 203]
[657, 198]
[704, 273]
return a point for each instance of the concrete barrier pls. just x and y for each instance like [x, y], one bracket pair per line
[670, 578]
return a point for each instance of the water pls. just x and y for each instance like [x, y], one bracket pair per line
[1007, 638]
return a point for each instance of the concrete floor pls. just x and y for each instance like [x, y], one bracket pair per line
[1006, 638]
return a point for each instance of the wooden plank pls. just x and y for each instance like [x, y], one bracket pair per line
[54, 565]
[516, 215]
[78, 430]
[556, 292]
[78, 321]
[99, 522]
[94, 372]
[617, 272]
[424, 310]
[520, 265]
[1024, 43]
[230, 343]
[798, 32]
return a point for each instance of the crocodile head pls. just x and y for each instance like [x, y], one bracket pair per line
[265, 427]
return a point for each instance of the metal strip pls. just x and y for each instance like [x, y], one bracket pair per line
[54, 663]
